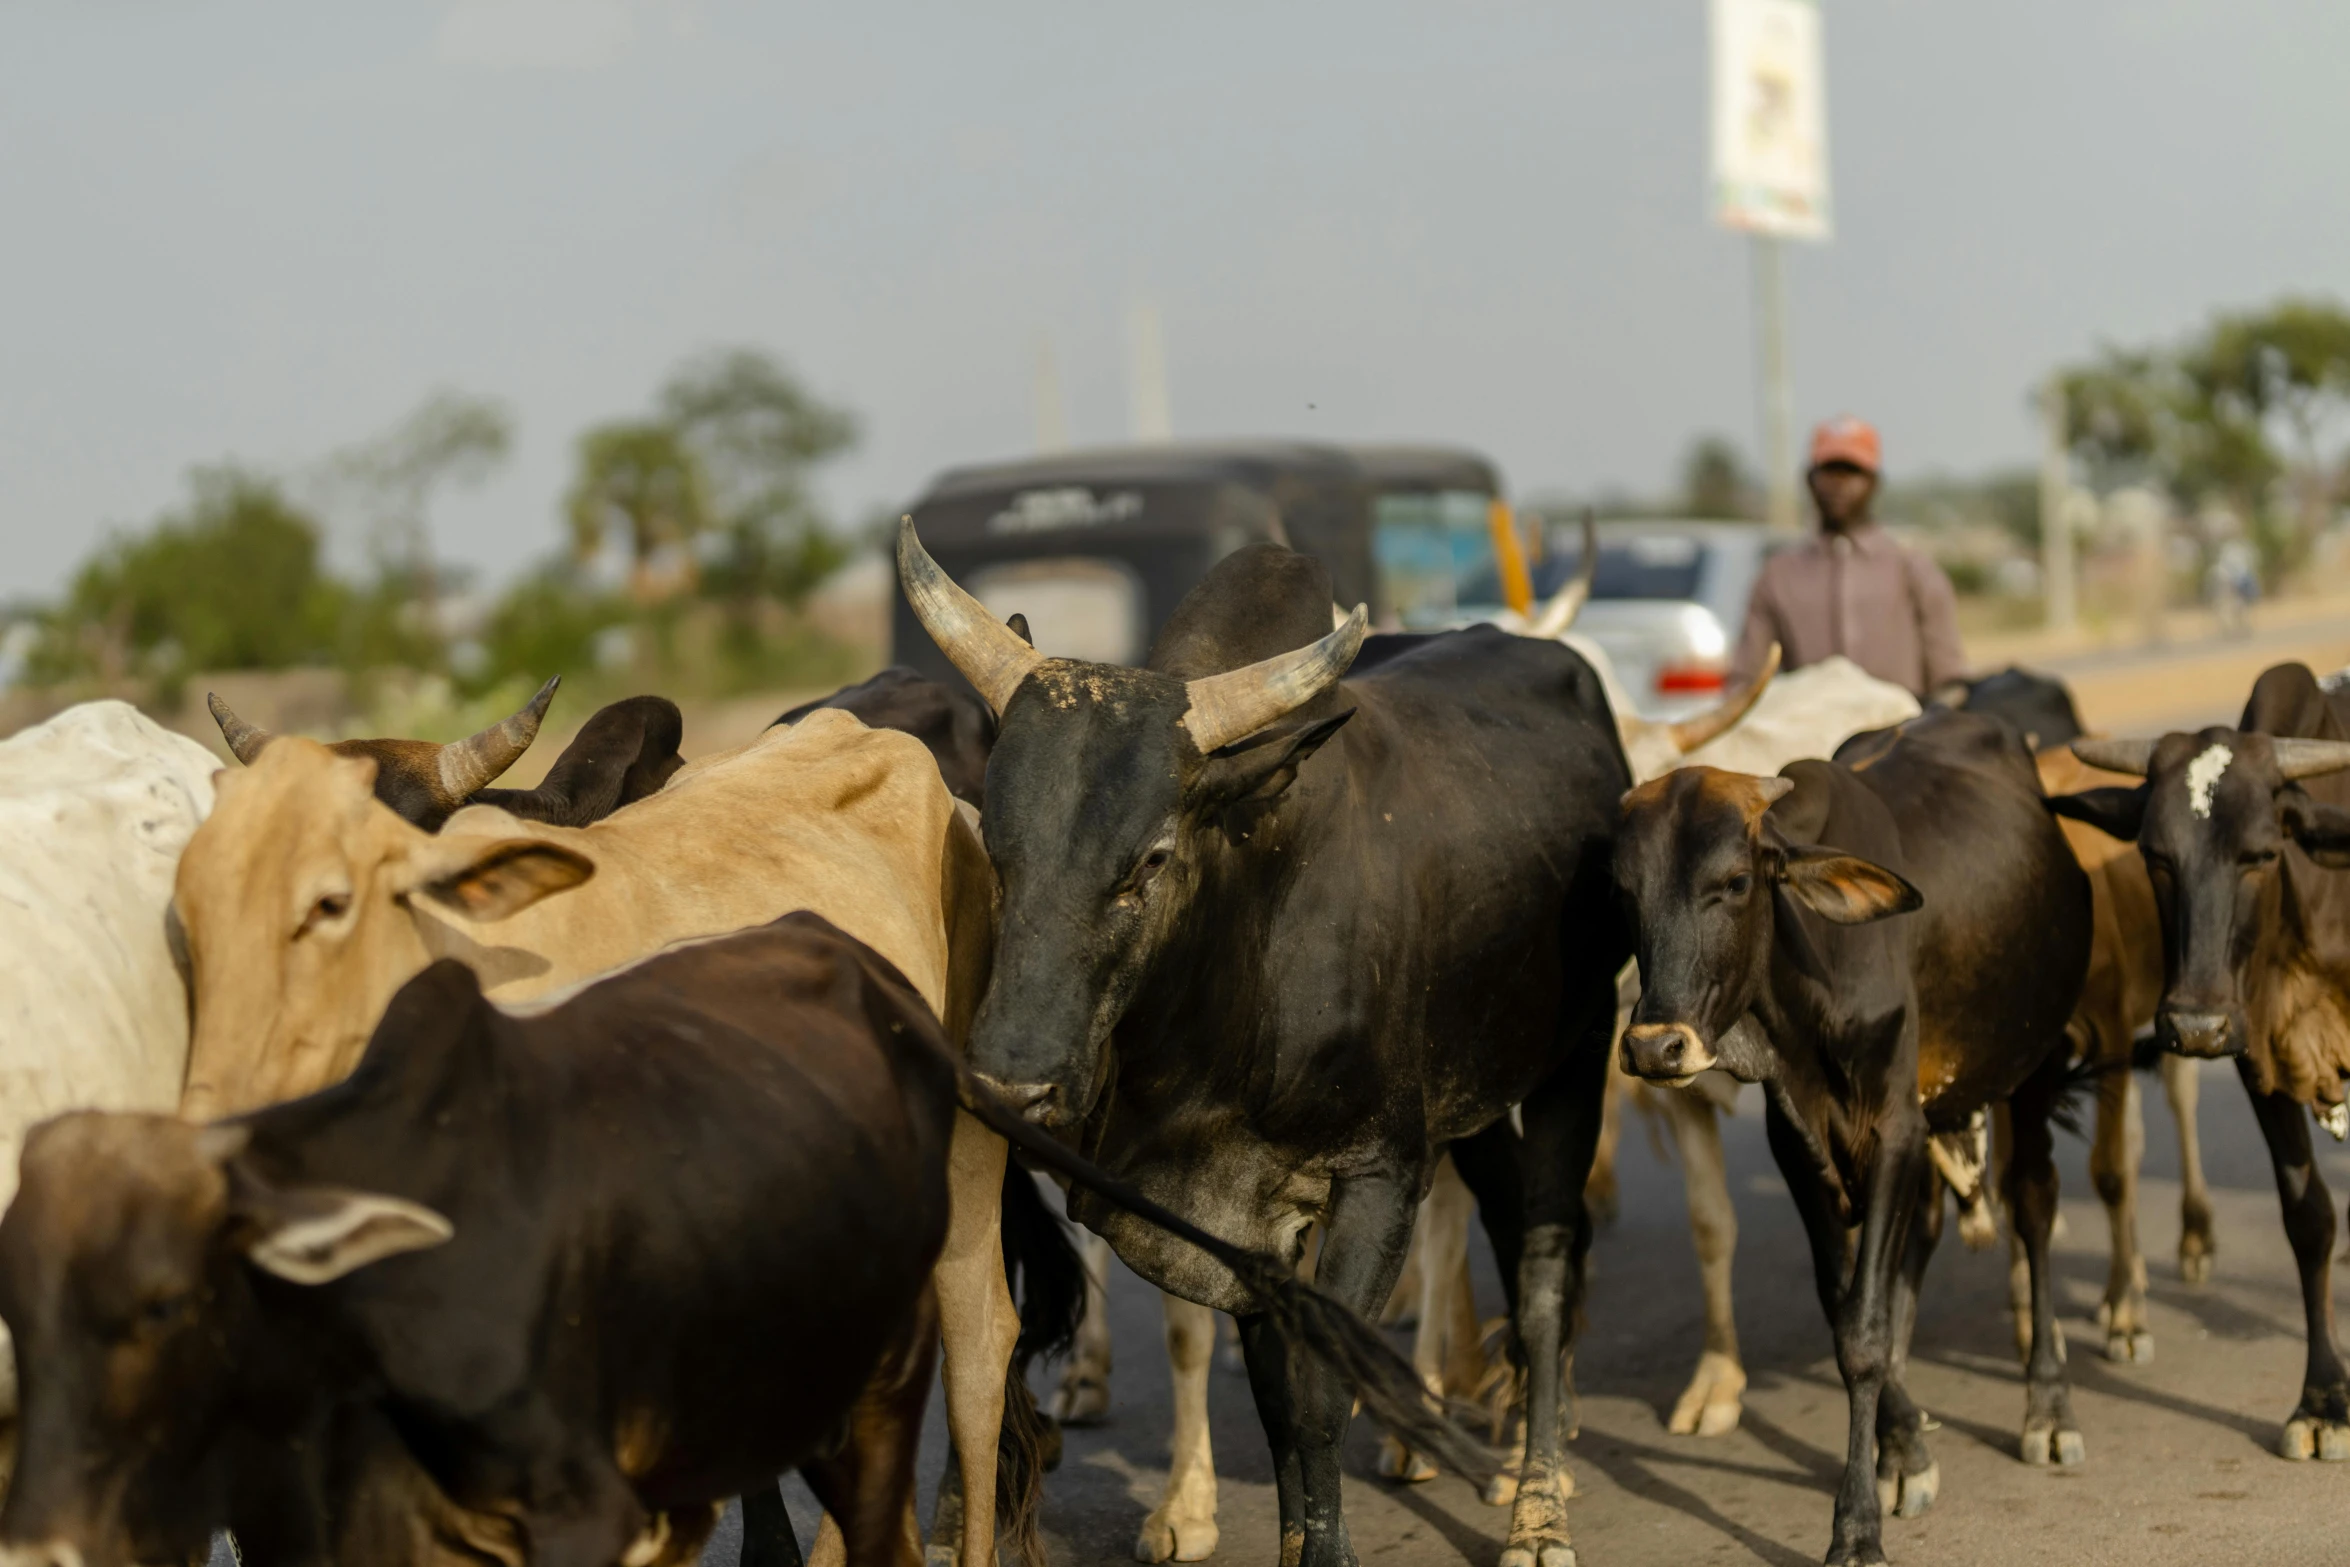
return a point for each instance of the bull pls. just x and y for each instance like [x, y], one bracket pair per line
[1273, 940]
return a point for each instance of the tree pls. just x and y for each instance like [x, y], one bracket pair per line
[756, 434]
[1715, 482]
[449, 439]
[233, 582]
[640, 480]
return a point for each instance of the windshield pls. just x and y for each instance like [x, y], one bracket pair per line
[1644, 566]
[1435, 556]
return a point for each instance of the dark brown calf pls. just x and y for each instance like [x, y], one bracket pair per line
[1767, 947]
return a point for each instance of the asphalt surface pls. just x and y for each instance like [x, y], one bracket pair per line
[2181, 1465]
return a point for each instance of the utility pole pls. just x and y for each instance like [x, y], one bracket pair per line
[2062, 606]
[1148, 412]
[1052, 421]
[1770, 298]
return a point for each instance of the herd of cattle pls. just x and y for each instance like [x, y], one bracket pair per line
[402, 1170]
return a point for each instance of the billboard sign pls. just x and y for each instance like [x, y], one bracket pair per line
[1770, 118]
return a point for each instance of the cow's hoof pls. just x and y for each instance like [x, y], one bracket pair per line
[1908, 1496]
[1502, 1489]
[1083, 1399]
[1538, 1553]
[2194, 1266]
[2308, 1436]
[1398, 1462]
[1167, 1538]
[1710, 1406]
[2047, 1444]
[2132, 1348]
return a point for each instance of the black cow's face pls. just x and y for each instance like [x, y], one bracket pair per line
[1100, 812]
[1701, 870]
[2212, 821]
[127, 1279]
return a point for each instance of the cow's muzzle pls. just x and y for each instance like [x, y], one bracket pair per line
[2207, 1034]
[1040, 1103]
[1665, 1052]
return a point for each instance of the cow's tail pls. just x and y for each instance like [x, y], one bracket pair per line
[1305, 1317]
[1042, 1266]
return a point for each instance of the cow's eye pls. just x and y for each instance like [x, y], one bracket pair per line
[325, 911]
[1739, 885]
[1145, 869]
[2259, 858]
[162, 1312]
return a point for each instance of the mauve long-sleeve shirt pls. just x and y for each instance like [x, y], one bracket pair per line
[1864, 595]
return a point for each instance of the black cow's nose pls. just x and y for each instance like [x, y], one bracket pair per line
[1037, 1102]
[2199, 1033]
[1659, 1049]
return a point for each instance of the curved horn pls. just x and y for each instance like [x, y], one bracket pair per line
[987, 652]
[1553, 619]
[466, 765]
[244, 740]
[2309, 758]
[2124, 756]
[1690, 733]
[1231, 706]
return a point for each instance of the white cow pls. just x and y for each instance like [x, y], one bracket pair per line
[95, 806]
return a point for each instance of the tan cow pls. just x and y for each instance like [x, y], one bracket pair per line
[305, 904]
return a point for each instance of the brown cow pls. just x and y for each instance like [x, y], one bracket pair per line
[306, 904]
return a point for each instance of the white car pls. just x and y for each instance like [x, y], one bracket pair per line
[1667, 603]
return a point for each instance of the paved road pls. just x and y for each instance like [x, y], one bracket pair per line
[2180, 1467]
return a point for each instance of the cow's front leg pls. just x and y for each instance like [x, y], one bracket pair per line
[1858, 1300]
[1183, 1525]
[2049, 1432]
[2319, 1426]
[2114, 1157]
[1305, 1405]
[1083, 1398]
[1908, 1478]
[1711, 1404]
[1561, 1121]
[2182, 1084]
[978, 1326]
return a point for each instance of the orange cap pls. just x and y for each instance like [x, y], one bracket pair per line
[1845, 439]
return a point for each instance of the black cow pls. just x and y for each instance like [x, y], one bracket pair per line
[2242, 831]
[626, 751]
[1273, 941]
[592, 1270]
[1758, 902]
[956, 725]
[2038, 707]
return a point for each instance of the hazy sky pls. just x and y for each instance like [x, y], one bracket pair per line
[267, 229]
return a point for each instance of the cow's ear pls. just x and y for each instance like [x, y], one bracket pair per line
[317, 1234]
[2114, 811]
[1842, 889]
[2322, 830]
[495, 880]
[1261, 766]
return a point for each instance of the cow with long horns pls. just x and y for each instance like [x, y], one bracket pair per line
[1272, 940]
[2242, 831]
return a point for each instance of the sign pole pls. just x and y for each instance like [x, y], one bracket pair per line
[2062, 609]
[1778, 392]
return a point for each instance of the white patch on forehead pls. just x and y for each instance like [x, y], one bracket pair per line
[2203, 774]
